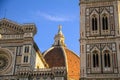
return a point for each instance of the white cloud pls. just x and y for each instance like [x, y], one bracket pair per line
[54, 17]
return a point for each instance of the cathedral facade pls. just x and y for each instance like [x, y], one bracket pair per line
[100, 39]
[21, 59]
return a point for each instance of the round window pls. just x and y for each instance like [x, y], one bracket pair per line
[3, 62]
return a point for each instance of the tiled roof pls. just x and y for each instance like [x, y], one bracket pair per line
[55, 58]
[61, 56]
[73, 62]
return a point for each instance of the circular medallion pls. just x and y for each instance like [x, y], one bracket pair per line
[3, 62]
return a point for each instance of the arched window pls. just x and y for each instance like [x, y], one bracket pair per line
[95, 59]
[94, 23]
[107, 59]
[26, 49]
[105, 22]
[25, 59]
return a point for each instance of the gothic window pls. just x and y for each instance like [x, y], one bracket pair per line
[26, 49]
[25, 59]
[107, 59]
[95, 59]
[94, 23]
[105, 22]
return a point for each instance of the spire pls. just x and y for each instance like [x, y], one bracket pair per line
[59, 38]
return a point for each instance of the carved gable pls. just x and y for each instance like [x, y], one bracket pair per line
[9, 27]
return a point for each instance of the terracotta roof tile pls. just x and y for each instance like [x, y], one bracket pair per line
[56, 58]
[73, 65]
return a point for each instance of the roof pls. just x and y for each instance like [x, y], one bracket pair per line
[60, 56]
[40, 55]
[55, 58]
[73, 64]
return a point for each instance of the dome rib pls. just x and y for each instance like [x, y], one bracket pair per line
[65, 56]
[59, 56]
[45, 52]
[73, 64]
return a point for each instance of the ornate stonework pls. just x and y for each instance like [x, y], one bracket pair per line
[20, 58]
[99, 31]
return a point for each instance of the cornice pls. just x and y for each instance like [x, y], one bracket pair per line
[18, 28]
[103, 37]
[95, 1]
[101, 40]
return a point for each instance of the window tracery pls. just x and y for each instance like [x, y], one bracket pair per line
[99, 21]
[94, 23]
[95, 59]
[107, 59]
[104, 22]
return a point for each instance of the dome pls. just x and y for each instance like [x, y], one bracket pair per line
[60, 56]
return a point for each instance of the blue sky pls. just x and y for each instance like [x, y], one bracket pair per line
[47, 15]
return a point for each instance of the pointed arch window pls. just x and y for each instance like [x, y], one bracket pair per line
[107, 59]
[105, 22]
[95, 59]
[94, 23]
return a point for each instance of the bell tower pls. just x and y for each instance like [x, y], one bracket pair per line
[99, 39]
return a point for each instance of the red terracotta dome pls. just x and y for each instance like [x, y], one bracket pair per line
[60, 56]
